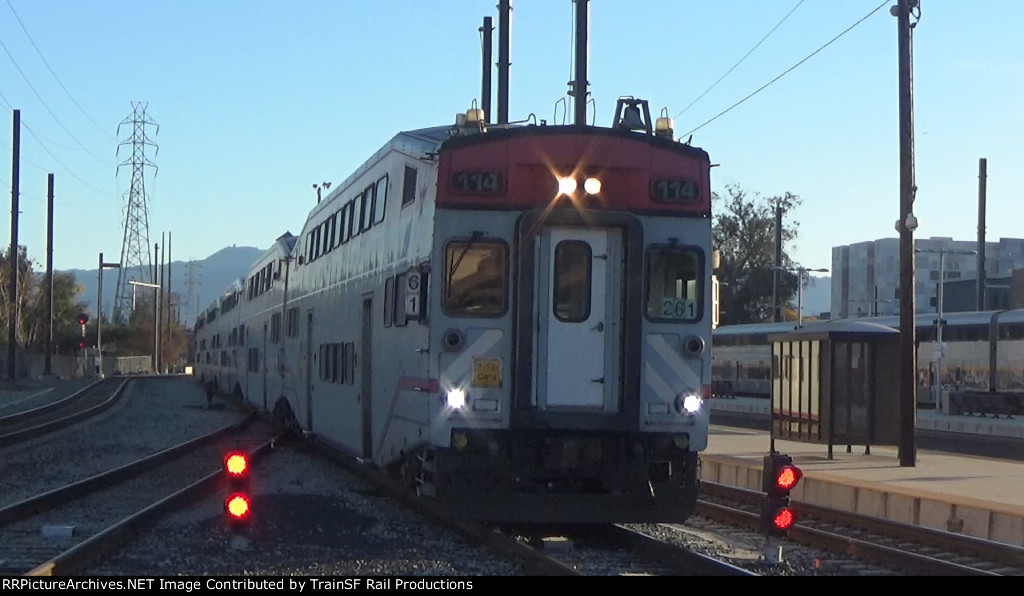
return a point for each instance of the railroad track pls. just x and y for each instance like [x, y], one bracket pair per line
[80, 405]
[62, 531]
[904, 548]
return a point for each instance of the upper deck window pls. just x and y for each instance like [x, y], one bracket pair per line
[475, 281]
[674, 287]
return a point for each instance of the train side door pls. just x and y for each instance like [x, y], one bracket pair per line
[578, 318]
[309, 369]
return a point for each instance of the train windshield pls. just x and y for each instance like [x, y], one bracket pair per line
[475, 278]
[674, 287]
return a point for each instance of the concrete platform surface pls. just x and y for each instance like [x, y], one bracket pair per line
[980, 497]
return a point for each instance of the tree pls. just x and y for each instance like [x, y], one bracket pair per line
[31, 306]
[743, 231]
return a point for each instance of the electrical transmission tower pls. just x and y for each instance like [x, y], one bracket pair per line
[135, 256]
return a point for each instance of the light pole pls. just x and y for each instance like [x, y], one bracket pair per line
[940, 348]
[801, 272]
[156, 317]
[99, 313]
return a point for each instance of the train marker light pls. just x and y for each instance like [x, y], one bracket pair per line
[779, 477]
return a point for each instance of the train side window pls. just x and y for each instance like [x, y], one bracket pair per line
[674, 289]
[389, 301]
[571, 283]
[380, 202]
[409, 186]
[398, 302]
[475, 281]
[355, 215]
[368, 200]
[343, 225]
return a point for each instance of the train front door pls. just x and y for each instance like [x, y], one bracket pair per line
[578, 318]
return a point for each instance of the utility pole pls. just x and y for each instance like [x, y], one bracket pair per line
[776, 309]
[906, 225]
[12, 338]
[982, 175]
[48, 363]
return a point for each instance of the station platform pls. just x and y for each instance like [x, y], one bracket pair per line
[976, 496]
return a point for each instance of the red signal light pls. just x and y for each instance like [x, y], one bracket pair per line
[786, 477]
[81, 345]
[236, 464]
[784, 519]
[237, 506]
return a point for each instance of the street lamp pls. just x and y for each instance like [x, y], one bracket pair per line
[801, 272]
[156, 320]
[940, 347]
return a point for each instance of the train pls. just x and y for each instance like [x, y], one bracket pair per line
[514, 320]
[981, 351]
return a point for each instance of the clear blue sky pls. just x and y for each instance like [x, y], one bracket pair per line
[256, 100]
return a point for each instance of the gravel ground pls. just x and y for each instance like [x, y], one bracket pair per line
[154, 414]
[309, 518]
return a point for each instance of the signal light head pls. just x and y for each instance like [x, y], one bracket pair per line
[237, 506]
[787, 477]
[236, 464]
[784, 518]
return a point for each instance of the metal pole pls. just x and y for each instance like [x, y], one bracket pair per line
[504, 16]
[12, 337]
[99, 319]
[906, 226]
[485, 80]
[776, 307]
[156, 312]
[982, 175]
[48, 363]
[579, 88]
[800, 297]
[937, 393]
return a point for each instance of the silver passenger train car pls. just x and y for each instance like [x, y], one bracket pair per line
[981, 350]
[515, 320]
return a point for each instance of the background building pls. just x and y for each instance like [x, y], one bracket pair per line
[865, 276]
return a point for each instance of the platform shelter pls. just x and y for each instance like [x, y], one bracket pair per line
[832, 383]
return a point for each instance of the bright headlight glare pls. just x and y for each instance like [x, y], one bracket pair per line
[691, 403]
[456, 398]
[592, 186]
[566, 185]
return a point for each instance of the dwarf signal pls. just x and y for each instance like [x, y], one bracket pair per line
[237, 505]
[779, 477]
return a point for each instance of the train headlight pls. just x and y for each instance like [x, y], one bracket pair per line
[456, 399]
[688, 403]
[566, 185]
[592, 186]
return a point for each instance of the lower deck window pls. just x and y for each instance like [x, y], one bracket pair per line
[674, 285]
[475, 281]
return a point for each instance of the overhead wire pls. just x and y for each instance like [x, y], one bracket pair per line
[787, 71]
[740, 61]
[55, 77]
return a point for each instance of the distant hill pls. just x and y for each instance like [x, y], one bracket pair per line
[210, 277]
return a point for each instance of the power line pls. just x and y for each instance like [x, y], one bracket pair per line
[713, 85]
[59, 82]
[42, 101]
[790, 69]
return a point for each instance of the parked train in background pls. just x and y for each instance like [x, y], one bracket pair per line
[515, 320]
[983, 351]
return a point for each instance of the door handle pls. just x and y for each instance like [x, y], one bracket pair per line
[599, 327]
[601, 380]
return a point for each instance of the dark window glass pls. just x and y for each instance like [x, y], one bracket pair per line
[571, 284]
[674, 288]
[475, 278]
[409, 186]
[380, 201]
